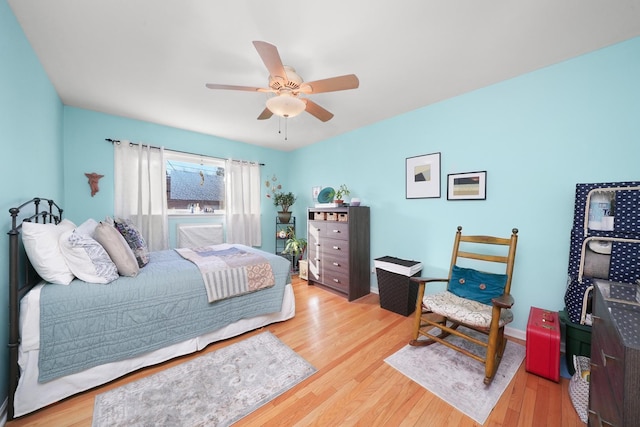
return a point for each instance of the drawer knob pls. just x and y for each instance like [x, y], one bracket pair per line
[337, 264]
[606, 356]
[336, 231]
[337, 248]
[336, 280]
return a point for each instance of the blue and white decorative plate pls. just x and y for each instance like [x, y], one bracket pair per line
[326, 195]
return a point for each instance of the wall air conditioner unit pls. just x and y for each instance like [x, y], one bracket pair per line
[197, 235]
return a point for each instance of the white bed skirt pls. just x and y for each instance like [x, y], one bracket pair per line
[32, 395]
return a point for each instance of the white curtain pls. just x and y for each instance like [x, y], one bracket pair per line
[242, 198]
[141, 191]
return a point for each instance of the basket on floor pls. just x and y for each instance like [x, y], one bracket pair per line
[579, 386]
[397, 292]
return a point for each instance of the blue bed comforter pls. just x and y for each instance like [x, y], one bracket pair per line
[83, 325]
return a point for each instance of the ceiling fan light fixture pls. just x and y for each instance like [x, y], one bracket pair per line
[286, 105]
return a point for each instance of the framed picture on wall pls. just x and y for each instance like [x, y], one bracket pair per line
[315, 191]
[423, 176]
[467, 186]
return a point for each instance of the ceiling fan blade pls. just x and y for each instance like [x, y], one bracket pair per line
[232, 87]
[317, 111]
[271, 58]
[266, 114]
[333, 84]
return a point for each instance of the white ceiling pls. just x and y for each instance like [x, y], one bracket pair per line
[150, 59]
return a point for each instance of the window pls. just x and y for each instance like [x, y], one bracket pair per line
[195, 184]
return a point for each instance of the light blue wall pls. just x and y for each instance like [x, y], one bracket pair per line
[31, 141]
[536, 136]
[85, 150]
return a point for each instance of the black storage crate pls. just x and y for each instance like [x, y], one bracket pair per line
[397, 292]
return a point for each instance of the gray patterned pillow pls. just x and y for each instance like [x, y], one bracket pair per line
[86, 258]
[135, 240]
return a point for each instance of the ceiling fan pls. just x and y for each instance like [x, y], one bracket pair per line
[287, 86]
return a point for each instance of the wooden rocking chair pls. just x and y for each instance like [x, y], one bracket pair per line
[475, 299]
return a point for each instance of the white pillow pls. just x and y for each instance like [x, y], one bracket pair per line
[86, 258]
[41, 245]
[88, 227]
[117, 248]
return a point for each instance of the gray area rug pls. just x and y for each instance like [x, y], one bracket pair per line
[215, 389]
[456, 378]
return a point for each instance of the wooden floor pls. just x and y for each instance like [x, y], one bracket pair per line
[347, 343]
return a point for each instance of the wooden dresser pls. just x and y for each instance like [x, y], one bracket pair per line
[614, 390]
[338, 249]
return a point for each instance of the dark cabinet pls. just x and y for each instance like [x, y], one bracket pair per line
[614, 389]
[338, 249]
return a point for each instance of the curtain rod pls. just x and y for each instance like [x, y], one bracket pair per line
[117, 141]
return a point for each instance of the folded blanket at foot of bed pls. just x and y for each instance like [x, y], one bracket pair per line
[229, 272]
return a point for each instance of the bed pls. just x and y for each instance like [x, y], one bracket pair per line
[68, 338]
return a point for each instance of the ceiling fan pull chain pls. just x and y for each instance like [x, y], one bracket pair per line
[285, 128]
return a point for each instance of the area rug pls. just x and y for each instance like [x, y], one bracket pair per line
[215, 389]
[456, 378]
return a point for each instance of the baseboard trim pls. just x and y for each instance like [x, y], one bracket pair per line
[515, 333]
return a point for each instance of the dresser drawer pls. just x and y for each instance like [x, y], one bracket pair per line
[603, 408]
[337, 279]
[336, 230]
[612, 368]
[314, 272]
[606, 376]
[317, 230]
[314, 255]
[335, 248]
[336, 261]
[313, 247]
[607, 353]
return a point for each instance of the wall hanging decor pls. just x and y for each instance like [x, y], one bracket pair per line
[467, 186]
[93, 182]
[423, 176]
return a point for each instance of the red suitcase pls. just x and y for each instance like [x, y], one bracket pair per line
[543, 344]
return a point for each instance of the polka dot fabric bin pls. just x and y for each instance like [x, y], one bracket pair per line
[627, 217]
[624, 265]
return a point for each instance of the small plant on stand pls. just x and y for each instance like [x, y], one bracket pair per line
[280, 198]
[342, 191]
[296, 247]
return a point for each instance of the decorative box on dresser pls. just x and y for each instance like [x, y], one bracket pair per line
[338, 249]
[614, 389]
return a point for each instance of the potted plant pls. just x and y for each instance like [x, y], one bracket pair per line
[342, 191]
[295, 246]
[280, 198]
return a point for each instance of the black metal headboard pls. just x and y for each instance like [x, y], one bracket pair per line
[22, 276]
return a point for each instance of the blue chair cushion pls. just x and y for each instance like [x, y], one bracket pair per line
[476, 285]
